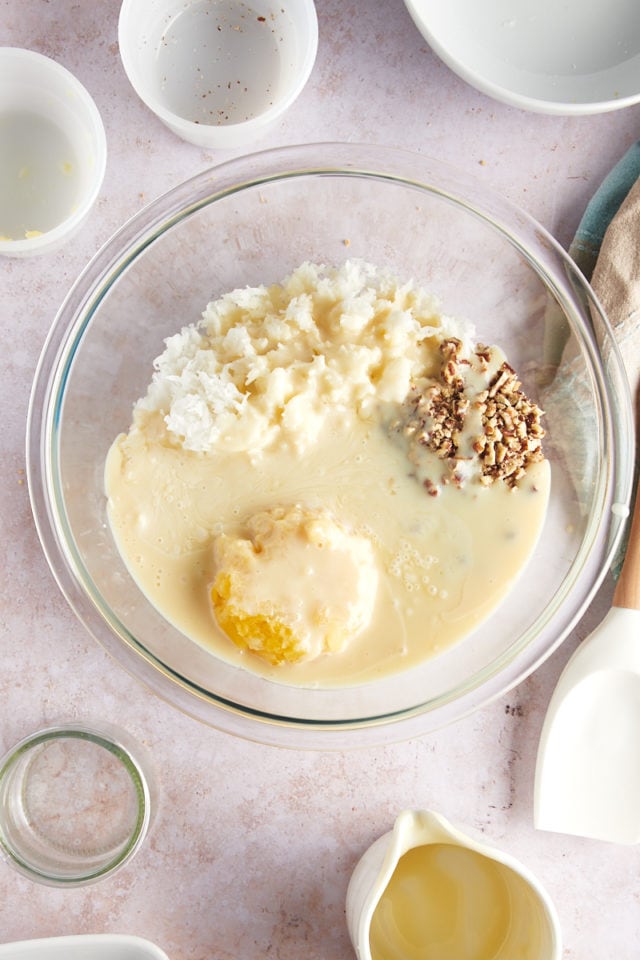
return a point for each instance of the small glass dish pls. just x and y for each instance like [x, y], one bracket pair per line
[74, 804]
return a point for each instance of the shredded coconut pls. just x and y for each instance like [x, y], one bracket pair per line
[266, 364]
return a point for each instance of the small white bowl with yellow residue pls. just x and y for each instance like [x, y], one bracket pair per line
[52, 153]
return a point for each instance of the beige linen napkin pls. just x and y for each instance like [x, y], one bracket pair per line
[607, 250]
[616, 282]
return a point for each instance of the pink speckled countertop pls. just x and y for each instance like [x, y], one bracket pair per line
[251, 848]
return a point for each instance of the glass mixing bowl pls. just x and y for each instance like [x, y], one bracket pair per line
[251, 221]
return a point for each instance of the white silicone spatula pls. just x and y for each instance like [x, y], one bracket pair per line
[588, 768]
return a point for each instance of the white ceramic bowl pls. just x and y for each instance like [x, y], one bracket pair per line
[218, 74]
[53, 153]
[100, 946]
[575, 57]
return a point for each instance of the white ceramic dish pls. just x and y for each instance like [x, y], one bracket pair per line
[96, 946]
[53, 153]
[218, 74]
[575, 57]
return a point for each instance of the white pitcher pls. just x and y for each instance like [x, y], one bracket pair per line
[495, 909]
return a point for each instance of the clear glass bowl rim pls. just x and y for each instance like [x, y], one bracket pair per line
[251, 170]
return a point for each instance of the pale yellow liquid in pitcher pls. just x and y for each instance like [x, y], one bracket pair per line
[443, 902]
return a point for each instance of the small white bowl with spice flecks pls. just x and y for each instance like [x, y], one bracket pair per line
[53, 153]
[218, 73]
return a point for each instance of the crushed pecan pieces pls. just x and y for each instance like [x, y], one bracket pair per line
[513, 431]
[437, 415]
[506, 429]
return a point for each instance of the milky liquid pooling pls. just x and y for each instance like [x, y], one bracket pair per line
[281, 399]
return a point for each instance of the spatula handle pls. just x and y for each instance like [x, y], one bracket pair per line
[627, 592]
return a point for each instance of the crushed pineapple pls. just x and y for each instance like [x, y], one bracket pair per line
[298, 586]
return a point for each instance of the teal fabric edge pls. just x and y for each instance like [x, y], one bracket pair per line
[603, 207]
